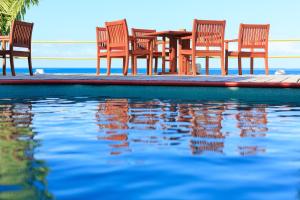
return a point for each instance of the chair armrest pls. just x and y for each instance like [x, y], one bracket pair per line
[234, 40]
[227, 43]
[143, 37]
[4, 38]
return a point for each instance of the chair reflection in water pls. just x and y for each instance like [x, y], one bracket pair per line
[205, 124]
[252, 123]
[112, 118]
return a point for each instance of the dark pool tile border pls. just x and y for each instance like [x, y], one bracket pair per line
[151, 83]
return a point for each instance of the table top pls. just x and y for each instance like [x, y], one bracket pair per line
[170, 33]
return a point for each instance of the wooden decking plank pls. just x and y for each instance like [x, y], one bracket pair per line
[292, 79]
[278, 79]
[201, 80]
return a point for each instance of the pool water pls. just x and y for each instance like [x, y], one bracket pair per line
[109, 142]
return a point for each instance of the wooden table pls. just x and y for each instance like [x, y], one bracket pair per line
[173, 37]
[4, 40]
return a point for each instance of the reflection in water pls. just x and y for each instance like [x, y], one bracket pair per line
[151, 141]
[21, 176]
[113, 116]
[252, 122]
[202, 122]
[206, 129]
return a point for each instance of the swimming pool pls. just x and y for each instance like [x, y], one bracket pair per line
[92, 142]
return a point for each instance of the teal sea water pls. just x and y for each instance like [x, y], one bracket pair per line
[110, 142]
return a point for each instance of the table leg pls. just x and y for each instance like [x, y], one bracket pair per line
[164, 55]
[173, 54]
[4, 58]
[186, 45]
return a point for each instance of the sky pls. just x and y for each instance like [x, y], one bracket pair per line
[77, 19]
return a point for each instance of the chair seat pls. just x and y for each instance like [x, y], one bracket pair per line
[156, 54]
[201, 52]
[117, 53]
[246, 54]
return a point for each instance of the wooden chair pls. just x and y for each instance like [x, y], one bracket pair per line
[252, 43]
[118, 45]
[101, 35]
[207, 41]
[20, 38]
[142, 44]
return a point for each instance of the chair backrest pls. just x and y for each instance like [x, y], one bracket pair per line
[101, 35]
[21, 34]
[117, 33]
[208, 33]
[143, 43]
[254, 36]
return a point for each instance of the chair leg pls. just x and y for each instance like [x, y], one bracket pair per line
[123, 59]
[4, 66]
[30, 65]
[187, 65]
[155, 64]
[98, 66]
[194, 65]
[12, 65]
[108, 65]
[207, 65]
[251, 65]
[150, 64]
[267, 65]
[223, 65]
[132, 65]
[148, 67]
[180, 61]
[240, 65]
[183, 65]
[226, 62]
[126, 65]
[135, 65]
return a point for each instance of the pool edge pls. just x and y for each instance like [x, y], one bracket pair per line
[152, 83]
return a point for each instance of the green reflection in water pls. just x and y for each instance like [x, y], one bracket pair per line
[21, 175]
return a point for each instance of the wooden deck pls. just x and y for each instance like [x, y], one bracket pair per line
[272, 81]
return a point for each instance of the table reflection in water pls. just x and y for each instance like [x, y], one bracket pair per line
[155, 122]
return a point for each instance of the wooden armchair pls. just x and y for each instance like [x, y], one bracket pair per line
[207, 41]
[118, 45]
[252, 43]
[141, 44]
[101, 34]
[20, 38]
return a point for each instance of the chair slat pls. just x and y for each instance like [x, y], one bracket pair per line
[209, 33]
[101, 34]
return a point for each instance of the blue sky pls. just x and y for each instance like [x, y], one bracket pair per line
[76, 20]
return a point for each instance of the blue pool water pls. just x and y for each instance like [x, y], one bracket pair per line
[110, 142]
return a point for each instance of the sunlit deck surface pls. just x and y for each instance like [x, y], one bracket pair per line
[276, 81]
